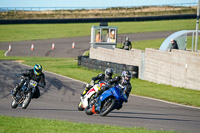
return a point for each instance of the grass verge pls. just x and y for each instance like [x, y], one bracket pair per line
[21, 32]
[28, 125]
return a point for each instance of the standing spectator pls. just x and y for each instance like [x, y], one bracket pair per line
[174, 45]
[127, 44]
[98, 37]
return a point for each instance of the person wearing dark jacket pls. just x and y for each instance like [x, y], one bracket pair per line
[127, 44]
[100, 77]
[35, 74]
[174, 44]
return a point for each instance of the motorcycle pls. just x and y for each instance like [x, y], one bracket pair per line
[111, 99]
[24, 95]
[89, 95]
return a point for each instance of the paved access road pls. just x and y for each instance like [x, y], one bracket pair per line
[60, 97]
[63, 46]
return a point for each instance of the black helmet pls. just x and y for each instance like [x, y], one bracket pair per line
[109, 72]
[37, 69]
[126, 76]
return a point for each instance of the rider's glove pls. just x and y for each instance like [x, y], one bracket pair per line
[87, 86]
[22, 77]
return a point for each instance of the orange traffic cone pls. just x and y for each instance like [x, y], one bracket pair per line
[73, 45]
[32, 47]
[53, 46]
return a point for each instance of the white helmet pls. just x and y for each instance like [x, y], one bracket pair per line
[109, 72]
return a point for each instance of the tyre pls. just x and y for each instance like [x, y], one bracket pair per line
[108, 106]
[80, 107]
[79, 60]
[88, 110]
[14, 104]
[84, 60]
[27, 100]
[132, 68]
[120, 66]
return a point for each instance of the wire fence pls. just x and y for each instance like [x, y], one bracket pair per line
[94, 12]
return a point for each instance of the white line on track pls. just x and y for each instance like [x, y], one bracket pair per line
[6, 53]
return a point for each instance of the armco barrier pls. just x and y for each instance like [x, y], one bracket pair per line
[93, 20]
[102, 65]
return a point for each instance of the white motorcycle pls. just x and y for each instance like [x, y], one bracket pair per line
[88, 96]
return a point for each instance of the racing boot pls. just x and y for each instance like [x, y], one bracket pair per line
[14, 91]
[119, 107]
[87, 88]
[98, 105]
[84, 92]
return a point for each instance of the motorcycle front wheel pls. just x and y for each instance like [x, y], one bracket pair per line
[108, 106]
[27, 100]
[14, 104]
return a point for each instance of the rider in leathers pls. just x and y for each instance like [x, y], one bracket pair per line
[101, 77]
[123, 80]
[35, 74]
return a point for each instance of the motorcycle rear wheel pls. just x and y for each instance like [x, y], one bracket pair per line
[88, 110]
[80, 107]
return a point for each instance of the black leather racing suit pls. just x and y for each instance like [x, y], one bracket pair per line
[30, 75]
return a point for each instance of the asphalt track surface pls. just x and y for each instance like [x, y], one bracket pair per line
[60, 97]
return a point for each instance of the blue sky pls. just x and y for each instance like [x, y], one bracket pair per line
[87, 3]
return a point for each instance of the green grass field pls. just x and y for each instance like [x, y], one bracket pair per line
[45, 31]
[155, 43]
[37, 125]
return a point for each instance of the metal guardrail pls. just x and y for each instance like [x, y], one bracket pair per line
[97, 20]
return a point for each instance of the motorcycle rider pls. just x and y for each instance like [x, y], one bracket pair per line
[35, 74]
[100, 77]
[123, 80]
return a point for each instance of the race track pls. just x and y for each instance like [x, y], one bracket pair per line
[60, 97]
[63, 46]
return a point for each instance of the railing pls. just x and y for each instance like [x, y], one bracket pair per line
[89, 12]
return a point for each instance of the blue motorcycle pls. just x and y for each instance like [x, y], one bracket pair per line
[109, 100]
